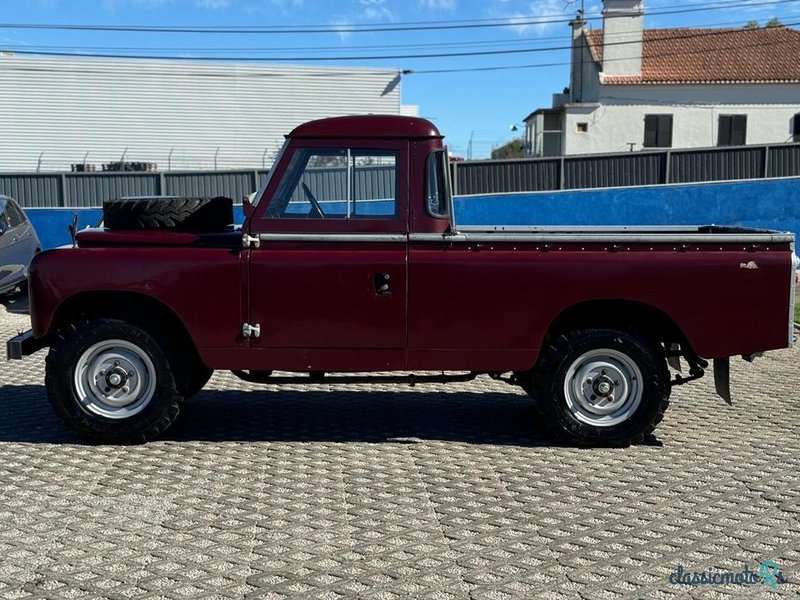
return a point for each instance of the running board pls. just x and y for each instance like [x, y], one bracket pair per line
[316, 377]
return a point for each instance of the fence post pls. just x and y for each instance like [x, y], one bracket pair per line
[455, 178]
[668, 166]
[256, 181]
[162, 184]
[561, 172]
[766, 162]
[62, 195]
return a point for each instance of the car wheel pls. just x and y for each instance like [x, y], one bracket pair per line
[602, 386]
[112, 382]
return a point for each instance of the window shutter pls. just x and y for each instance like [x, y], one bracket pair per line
[650, 131]
[724, 136]
[797, 127]
[665, 131]
[739, 130]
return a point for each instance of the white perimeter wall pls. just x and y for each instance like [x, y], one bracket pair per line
[619, 117]
[55, 110]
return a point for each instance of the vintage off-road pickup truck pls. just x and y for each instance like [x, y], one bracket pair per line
[350, 260]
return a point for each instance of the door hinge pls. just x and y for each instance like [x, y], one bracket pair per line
[251, 330]
[251, 241]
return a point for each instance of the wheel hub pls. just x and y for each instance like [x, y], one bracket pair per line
[115, 379]
[603, 387]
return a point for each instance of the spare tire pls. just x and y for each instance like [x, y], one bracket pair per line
[168, 212]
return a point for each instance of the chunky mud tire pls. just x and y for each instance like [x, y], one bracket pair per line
[602, 387]
[112, 382]
[178, 213]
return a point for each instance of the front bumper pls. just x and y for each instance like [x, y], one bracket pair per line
[23, 345]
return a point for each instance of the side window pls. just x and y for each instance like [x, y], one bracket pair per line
[337, 183]
[657, 131]
[436, 192]
[732, 130]
[15, 216]
[796, 128]
[3, 218]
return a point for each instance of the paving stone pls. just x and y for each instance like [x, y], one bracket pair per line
[377, 491]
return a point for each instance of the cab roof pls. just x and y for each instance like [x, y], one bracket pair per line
[368, 126]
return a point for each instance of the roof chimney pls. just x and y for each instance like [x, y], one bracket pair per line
[578, 58]
[623, 30]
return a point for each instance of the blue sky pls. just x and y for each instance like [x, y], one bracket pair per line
[478, 105]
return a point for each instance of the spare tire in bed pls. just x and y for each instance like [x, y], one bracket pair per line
[167, 212]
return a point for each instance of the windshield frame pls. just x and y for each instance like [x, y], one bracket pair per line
[263, 188]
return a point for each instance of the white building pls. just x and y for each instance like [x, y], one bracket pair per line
[633, 88]
[56, 112]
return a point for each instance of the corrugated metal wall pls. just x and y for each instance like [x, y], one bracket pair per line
[470, 178]
[180, 115]
[626, 169]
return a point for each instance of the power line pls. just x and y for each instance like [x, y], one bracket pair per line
[339, 48]
[503, 52]
[350, 73]
[605, 60]
[370, 28]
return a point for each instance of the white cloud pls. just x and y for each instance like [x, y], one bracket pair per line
[438, 4]
[375, 10]
[214, 4]
[537, 17]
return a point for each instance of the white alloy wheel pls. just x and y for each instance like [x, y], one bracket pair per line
[115, 379]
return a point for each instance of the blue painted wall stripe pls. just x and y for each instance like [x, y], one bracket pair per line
[763, 203]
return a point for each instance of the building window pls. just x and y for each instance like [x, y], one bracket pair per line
[658, 131]
[583, 127]
[732, 130]
[796, 136]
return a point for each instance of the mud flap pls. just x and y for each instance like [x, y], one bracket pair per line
[722, 378]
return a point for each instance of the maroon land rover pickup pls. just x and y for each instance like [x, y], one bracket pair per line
[350, 261]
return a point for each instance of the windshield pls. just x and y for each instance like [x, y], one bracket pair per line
[268, 178]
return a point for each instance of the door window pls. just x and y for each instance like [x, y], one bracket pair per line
[3, 218]
[436, 191]
[337, 183]
[15, 216]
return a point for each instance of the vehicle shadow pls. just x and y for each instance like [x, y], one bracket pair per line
[311, 416]
[16, 302]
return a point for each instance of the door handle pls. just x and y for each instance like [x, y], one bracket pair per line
[383, 284]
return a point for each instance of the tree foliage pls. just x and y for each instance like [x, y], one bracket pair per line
[512, 149]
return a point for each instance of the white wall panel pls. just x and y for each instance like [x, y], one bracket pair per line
[55, 110]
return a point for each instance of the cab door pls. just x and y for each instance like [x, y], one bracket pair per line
[327, 282]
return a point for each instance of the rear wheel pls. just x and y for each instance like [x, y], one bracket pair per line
[112, 382]
[602, 386]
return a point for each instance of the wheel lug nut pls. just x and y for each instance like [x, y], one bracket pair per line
[603, 372]
[102, 373]
[616, 384]
[124, 390]
[131, 374]
[116, 364]
[611, 397]
[108, 390]
[594, 397]
[590, 381]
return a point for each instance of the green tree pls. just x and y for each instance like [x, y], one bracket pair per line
[752, 25]
[774, 22]
[513, 149]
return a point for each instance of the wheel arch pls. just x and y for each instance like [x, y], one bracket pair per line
[640, 317]
[136, 308]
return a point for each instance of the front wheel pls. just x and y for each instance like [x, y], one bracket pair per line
[602, 386]
[112, 382]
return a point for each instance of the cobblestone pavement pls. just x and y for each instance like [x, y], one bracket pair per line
[390, 492]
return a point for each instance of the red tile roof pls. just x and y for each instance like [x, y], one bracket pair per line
[713, 56]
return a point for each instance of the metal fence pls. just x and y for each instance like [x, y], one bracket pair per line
[52, 190]
[626, 169]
